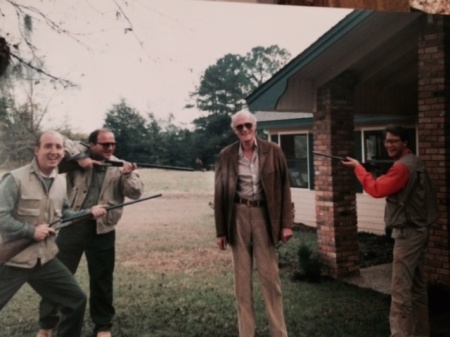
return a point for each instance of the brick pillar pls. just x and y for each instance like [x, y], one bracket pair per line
[334, 183]
[433, 132]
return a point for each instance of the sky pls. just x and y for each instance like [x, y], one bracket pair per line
[155, 65]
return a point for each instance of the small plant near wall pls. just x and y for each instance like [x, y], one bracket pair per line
[309, 265]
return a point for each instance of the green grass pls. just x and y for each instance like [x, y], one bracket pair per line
[172, 281]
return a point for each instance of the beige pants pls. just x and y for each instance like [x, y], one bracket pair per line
[409, 300]
[252, 241]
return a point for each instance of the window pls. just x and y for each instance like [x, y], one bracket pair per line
[295, 148]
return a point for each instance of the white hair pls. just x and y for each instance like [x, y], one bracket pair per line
[241, 113]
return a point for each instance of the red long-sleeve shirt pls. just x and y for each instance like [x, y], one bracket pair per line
[390, 183]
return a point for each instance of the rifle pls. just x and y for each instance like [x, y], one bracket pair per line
[377, 166]
[9, 249]
[142, 165]
[329, 156]
[70, 164]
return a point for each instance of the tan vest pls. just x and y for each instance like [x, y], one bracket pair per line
[416, 205]
[37, 205]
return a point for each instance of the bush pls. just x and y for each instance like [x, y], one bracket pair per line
[309, 265]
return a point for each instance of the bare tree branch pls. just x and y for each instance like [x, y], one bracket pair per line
[63, 82]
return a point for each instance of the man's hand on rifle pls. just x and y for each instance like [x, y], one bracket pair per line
[349, 161]
[128, 167]
[88, 163]
[98, 211]
[42, 231]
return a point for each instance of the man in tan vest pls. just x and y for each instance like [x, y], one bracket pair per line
[31, 198]
[411, 207]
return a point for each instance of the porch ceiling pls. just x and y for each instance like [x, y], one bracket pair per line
[380, 48]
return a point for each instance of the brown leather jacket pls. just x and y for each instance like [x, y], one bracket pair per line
[275, 182]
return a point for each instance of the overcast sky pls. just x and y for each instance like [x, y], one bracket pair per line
[156, 65]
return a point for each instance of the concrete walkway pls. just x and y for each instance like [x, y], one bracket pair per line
[377, 278]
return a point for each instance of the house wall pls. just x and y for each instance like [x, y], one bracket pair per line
[434, 145]
[370, 211]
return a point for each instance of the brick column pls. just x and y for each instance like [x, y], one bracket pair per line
[433, 132]
[334, 183]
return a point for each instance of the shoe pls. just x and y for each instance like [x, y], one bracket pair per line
[104, 334]
[45, 333]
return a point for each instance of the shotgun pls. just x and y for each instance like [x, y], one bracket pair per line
[142, 165]
[370, 165]
[70, 164]
[329, 156]
[9, 249]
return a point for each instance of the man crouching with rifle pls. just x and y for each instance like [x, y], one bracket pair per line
[89, 184]
[31, 198]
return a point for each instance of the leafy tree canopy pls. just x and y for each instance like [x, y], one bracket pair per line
[222, 91]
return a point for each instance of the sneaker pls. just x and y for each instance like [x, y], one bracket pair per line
[45, 333]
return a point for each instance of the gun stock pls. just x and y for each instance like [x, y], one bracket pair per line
[9, 249]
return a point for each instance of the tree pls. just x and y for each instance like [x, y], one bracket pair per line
[21, 116]
[262, 63]
[27, 13]
[149, 140]
[19, 127]
[130, 131]
[222, 91]
[178, 145]
[212, 134]
[223, 86]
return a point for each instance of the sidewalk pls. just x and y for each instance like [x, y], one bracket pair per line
[377, 278]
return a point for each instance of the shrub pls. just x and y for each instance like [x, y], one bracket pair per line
[309, 265]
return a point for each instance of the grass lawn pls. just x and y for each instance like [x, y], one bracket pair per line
[172, 281]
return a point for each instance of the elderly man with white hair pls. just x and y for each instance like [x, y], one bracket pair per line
[253, 213]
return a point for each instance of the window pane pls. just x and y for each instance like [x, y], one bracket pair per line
[295, 148]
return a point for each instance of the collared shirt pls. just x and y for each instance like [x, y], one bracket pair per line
[93, 195]
[52, 174]
[48, 179]
[249, 183]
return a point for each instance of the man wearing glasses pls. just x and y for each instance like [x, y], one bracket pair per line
[90, 184]
[253, 213]
[411, 207]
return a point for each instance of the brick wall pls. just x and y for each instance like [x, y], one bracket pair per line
[434, 135]
[334, 182]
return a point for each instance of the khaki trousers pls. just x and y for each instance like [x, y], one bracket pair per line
[252, 241]
[409, 299]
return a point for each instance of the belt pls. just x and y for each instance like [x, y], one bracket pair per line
[250, 203]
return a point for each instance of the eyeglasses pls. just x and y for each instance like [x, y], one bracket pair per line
[391, 141]
[240, 127]
[107, 145]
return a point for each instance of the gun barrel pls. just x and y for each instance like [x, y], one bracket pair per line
[144, 165]
[11, 248]
[328, 156]
[68, 221]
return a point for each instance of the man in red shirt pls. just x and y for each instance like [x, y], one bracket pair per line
[411, 207]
